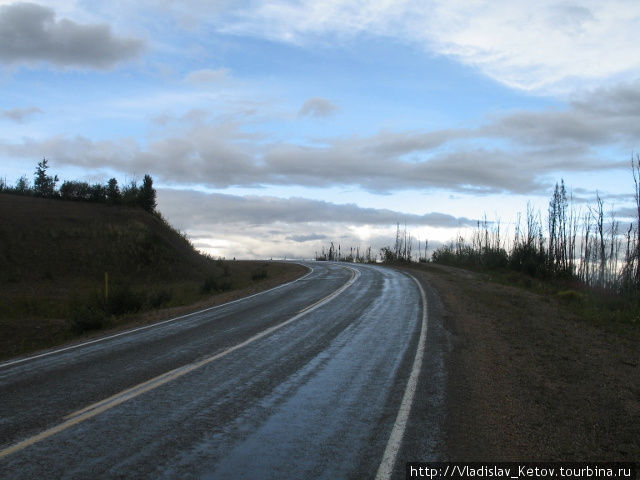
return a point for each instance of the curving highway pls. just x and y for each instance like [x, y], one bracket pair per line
[312, 379]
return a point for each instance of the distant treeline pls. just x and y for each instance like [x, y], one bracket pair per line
[44, 185]
[586, 246]
[333, 254]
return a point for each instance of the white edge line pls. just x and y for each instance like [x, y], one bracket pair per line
[395, 439]
[132, 392]
[127, 332]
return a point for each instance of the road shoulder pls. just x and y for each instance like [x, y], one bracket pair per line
[527, 381]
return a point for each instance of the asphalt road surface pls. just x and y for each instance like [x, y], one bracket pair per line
[312, 379]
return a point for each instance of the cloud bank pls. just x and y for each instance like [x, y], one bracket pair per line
[217, 208]
[266, 226]
[519, 152]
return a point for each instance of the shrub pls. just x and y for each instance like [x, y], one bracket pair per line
[72, 190]
[259, 274]
[89, 314]
[495, 258]
[159, 297]
[217, 281]
[528, 259]
[444, 254]
[124, 300]
[571, 296]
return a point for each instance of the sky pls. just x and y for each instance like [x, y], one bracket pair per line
[272, 128]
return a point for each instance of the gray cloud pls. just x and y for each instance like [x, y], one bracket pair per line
[626, 214]
[317, 107]
[218, 208]
[264, 226]
[621, 101]
[19, 114]
[307, 238]
[529, 151]
[601, 117]
[207, 76]
[31, 33]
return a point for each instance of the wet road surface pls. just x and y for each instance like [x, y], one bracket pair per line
[302, 381]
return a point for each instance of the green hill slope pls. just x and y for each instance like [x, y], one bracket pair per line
[54, 256]
[42, 238]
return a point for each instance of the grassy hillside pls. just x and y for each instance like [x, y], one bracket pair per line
[53, 259]
[48, 239]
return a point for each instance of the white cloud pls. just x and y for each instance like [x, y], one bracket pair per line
[550, 46]
[546, 46]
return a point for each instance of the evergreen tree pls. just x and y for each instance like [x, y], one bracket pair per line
[113, 191]
[22, 186]
[147, 194]
[73, 190]
[44, 185]
[130, 194]
[98, 193]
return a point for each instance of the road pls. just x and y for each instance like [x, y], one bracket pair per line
[312, 379]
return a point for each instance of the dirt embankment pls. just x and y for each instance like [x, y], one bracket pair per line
[528, 381]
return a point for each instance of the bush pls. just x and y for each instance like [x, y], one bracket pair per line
[88, 315]
[159, 297]
[494, 258]
[445, 255]
[217, 281]
[571, 296]
[124, 300]
[95, 312]
[259, 274]
[528, 259]
[466, 256]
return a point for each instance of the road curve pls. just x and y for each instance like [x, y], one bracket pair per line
[302, 381]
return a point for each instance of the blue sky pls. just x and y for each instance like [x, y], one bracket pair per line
[272, 128]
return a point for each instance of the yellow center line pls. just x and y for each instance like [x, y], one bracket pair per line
[130, 393]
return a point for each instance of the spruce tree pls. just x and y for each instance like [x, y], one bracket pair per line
[147, 194]
[113, 191]
[44, 185]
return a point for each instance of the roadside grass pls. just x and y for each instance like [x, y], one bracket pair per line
[599, 307]
[49, 313]
[603, 308]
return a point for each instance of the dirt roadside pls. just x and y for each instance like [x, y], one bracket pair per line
[528, 381]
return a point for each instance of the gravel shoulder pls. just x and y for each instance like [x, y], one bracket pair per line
[529, 381]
